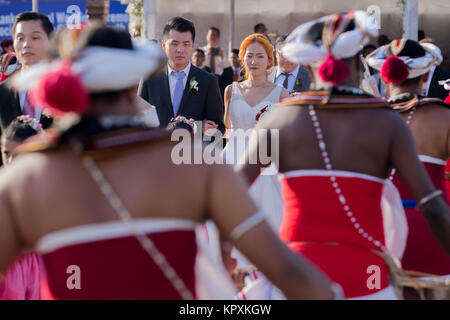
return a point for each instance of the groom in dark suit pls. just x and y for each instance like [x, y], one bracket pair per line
[31, 32]
[183, 89]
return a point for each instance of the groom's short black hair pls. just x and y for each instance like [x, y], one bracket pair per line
[179, 24]
[47, 26]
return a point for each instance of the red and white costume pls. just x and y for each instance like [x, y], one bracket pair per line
[315, 222]
[315, 225]
[423, 252]
[113, 265]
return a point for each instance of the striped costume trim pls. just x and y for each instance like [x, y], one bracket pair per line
[6, 60]
[417, 101]
[397, 46]
[406, 105]
[123, 140]
[102, 145]
[334, 27]
[325, 100]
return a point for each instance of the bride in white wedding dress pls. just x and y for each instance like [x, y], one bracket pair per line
[243, 102]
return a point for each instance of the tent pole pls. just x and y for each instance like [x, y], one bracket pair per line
[410, 19]
[35, 6]
[231, 38]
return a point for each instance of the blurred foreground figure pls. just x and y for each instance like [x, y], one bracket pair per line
[336, 147]
[404, 67]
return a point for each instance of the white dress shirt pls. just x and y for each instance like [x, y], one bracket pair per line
[279, 78]
[37, 111]
[220, 63]
[173, 79]
[236, 71]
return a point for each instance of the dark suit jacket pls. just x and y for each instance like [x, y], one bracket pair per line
[204, 104]
[436, 90]
[10, 107]
[226, 78]
[302, 82]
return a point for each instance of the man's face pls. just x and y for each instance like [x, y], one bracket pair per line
[178, 48]
[30, 42]
[285, 65]
[198, 59]
[262, 30]
[234, 60]
[213, 38]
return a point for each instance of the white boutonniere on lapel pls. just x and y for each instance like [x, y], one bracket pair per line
[193, 85]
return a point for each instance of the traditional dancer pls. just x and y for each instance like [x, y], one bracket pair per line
[336, 146]
[21, 281]
[111, 213]
[404, 65]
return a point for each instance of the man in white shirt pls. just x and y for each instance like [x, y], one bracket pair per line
[214, 56]
[293, 77]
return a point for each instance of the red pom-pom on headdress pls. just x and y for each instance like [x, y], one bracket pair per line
[394, 70]
[333, 70]
[447, 100]
[61, 91]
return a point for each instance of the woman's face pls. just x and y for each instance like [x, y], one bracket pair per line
[256, 60]
[8, 146]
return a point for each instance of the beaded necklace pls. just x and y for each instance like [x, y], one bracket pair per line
[408, 122]
[334, 182]
[147, 244]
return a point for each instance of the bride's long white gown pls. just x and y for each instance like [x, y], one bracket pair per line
[266, 190]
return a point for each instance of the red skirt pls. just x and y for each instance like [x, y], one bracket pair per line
[103, 261]
[423, 252]
[314, 217]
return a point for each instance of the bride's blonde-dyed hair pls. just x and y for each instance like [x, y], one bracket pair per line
[261, 39]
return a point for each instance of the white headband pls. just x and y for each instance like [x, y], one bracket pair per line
[345, 45]
[101, 68]
[416, 66]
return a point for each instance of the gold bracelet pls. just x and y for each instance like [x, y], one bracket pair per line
[429, 197]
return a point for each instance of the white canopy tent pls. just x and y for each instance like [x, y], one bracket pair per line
[236, 18]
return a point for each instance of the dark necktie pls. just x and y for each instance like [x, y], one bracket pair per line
[286, 80]
[212, 62]
[235, 75]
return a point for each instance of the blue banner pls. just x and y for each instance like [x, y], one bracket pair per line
[60, 12]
